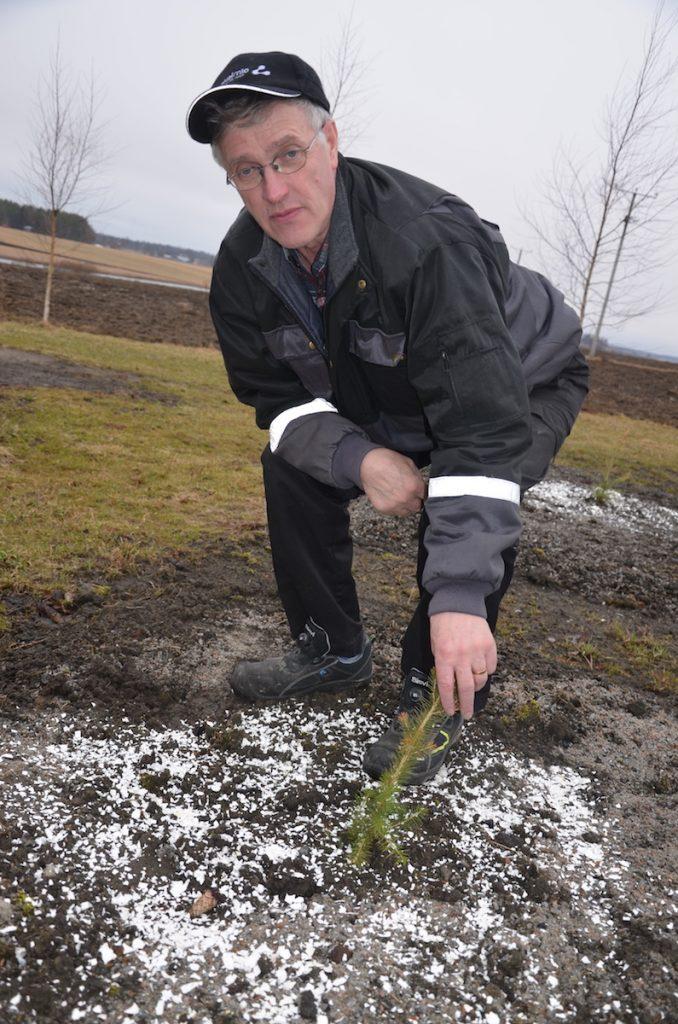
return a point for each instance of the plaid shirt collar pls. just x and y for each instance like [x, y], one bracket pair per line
[315, 279]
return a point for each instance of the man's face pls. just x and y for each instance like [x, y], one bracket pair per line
[294, 209]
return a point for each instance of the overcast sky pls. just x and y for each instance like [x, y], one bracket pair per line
[475, 95]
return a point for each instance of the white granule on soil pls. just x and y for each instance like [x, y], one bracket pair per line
[485, 794]
[624, 511]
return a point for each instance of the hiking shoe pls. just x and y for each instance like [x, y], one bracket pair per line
[309, 668]
[444, 734]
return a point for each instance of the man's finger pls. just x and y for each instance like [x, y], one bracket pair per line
[446, 689]
[479, 680]
[466, 690]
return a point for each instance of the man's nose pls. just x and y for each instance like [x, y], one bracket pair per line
[274, 186]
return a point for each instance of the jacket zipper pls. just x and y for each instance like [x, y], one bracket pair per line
[295, 316]
[447, 369]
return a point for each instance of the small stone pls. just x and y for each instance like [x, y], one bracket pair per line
[52, 870]
[339, 953]
[638, 708]
[265, 965]
[540, 575]
[6, 912]
[239, 985]
[307, 1005]
[206, 902]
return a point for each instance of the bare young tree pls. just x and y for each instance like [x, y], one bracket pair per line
[605, 219]
[65, 152]
[343, 72]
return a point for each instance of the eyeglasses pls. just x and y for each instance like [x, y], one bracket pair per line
[287, 162]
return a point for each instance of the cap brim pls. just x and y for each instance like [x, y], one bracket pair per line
[196, 120]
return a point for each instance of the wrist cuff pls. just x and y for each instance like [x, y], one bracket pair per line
[468, 597]
[348, 457]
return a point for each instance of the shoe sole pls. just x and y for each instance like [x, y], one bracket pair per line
[332, 686]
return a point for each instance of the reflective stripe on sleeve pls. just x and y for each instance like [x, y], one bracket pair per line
[479, 486]
[278, 425]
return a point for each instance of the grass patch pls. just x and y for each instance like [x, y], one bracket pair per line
[618, 450]
[624, 654]
[103, 481]
[650, 657]
[524, 715]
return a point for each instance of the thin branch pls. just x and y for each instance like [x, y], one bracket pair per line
[585, 207]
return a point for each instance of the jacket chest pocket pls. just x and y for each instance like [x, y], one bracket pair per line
[375, 346]
[382, 362]
[292, 346]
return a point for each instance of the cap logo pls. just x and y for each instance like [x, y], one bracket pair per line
[235, 74]
[261, 70]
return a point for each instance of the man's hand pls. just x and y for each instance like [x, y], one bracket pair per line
[465, 651]
[392, 482]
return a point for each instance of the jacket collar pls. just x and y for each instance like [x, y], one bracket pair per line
[343, 254]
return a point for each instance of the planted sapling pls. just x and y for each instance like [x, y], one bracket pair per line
[379, 819]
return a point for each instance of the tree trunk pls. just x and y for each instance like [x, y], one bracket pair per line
[50, 265]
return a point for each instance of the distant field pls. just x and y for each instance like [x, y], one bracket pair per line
[33, 248]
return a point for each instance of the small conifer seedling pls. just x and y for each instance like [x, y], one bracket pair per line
[379, 819]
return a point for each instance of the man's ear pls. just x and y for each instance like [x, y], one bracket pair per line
[330, 130]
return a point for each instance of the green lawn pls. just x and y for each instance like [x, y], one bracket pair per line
[96, 482]
[622, 451]
[99, 481]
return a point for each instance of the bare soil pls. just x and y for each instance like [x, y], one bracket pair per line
[106, 306]
[144, 671]
[539, 887]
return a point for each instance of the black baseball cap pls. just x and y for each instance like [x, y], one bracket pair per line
[273, 74]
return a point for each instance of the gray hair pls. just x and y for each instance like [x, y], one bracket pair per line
[247, 110]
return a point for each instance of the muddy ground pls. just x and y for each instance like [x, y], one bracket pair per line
[540, 885]
[106, 306]
[152, 313]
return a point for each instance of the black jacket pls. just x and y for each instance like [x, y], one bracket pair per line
[432, 342]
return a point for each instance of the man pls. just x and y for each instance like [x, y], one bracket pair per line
[377, 326]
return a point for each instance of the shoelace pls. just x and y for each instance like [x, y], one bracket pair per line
[305, 643]
[413, 693]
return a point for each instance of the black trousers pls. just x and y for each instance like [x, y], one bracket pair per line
[312, 550]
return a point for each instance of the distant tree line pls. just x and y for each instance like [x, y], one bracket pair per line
[174, 252]
[78, 229]
[32, 218]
